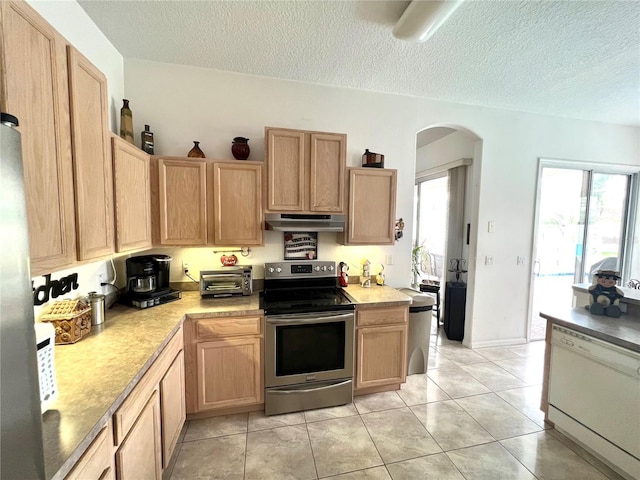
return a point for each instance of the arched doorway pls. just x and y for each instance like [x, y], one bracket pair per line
[446, 194]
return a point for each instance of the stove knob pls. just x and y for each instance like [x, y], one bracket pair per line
[278, 269]
[271, 270]
[324, 268]
[317, 268]
[330, 268]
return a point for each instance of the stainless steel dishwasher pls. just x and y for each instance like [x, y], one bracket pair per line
[594, 396]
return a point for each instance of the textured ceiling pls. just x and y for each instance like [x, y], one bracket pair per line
[569, 58]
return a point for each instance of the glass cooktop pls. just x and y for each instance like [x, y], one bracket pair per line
[308, 300]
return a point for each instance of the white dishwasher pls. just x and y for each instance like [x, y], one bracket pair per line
[594, 396]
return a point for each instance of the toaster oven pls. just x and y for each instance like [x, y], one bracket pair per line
[226, 281]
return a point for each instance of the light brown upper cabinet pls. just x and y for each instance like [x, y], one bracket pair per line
[305, 171]
[372, 206]
[34, 88]
[204, 202]
[236, 190]
[92, 164]
[132, 192]
[182, 201]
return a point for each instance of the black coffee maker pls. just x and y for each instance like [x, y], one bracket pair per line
[148, 281]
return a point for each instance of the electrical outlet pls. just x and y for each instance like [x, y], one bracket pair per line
[389, 260]
[185, 267]
[100, 278]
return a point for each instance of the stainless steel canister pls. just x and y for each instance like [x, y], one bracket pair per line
[97, 308]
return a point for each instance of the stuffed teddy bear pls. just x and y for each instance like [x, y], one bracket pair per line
[605, 296]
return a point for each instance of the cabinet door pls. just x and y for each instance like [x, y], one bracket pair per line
[182, 202]
[371, 190]
[93, 178]
[286, 170]
[229, 373]
[97, 462]
[237, 204]
[381, 356]
[132, 192]
[139, 456]
[327, 163]
[34, 88]
[172, 407]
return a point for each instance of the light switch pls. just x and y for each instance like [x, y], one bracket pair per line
[488, 260]
[492, 227]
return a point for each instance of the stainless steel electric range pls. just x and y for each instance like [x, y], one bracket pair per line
[309, 337]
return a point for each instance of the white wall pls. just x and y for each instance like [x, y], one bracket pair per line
[186, 103]
[447, 149]
[68, 18]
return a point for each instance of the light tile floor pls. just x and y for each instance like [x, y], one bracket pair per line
[474, 415]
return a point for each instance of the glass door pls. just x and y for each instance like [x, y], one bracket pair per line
[582, 221]
[432, 209]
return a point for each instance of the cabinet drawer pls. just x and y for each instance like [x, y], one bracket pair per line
[98, 460]
[382, 316]
[228, 326]
[126, 415]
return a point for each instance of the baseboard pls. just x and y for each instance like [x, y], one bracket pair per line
[499, 343]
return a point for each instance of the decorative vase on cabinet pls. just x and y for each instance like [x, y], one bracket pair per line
[240, 148]
[195, 152]
[126, 122]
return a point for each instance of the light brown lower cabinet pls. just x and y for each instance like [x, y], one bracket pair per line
[97, 462]
[172, 407]
[139, 457]
[229, 373]
[381, 346]
[224, 365]
[139, 441]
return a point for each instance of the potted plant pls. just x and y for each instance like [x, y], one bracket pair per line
[416, 261]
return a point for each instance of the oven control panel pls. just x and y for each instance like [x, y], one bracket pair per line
[301, 269]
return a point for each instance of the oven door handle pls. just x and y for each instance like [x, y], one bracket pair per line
[308, 390]
[307, 318]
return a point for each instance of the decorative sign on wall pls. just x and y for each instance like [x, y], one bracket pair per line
[54, 288]
[300, 245]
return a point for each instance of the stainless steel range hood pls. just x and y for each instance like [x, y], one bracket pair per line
[295, 222]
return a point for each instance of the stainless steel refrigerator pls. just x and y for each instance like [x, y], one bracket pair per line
[21, 450]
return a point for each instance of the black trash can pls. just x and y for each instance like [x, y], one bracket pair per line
[455, 300]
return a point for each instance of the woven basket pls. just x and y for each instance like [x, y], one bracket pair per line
[71, 319]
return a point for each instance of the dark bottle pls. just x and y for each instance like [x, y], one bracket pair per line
[126, 121]
[146, 141]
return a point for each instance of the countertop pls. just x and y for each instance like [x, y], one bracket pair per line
[96, 374]
[376, 295]
[623, 331]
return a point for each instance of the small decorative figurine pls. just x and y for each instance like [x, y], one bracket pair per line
[344, 277]
[380, 276]
[605, 296]
[365, 273]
